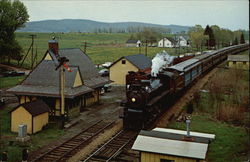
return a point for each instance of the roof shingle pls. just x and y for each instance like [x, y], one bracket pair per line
[44, 79]
[140, 61]
[35, 108]
[238, 58]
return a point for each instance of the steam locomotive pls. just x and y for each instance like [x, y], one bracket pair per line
[148, 95]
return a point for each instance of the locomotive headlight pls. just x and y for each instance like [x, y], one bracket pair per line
[133, 99]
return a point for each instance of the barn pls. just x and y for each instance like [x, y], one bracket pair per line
[82, 85]
[34, 114]
[120, 68]
[133, 43]
[170, 145]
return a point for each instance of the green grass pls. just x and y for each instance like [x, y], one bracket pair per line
[8, 143]
[228, 91]
[6, 82]
[103, 47]
[244, 53]
[230, 144]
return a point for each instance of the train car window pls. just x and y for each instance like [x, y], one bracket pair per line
[123, 61]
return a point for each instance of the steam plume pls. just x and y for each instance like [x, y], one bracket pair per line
[161, 60]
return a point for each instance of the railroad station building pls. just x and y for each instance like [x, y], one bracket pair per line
[170, 145]
[82, 85]
[238, 61]
[120, 68]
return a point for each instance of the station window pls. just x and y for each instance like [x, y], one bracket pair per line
[123, 61]
[244, 62]
[234, 62]
[166, 160]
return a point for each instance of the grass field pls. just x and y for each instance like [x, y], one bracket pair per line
[6, 82]
[8, 142]
[230, 144]
[103, 47]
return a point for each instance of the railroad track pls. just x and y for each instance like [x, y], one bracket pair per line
[112, 148]
[70, 147]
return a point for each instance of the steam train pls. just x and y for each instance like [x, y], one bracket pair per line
[147, 96]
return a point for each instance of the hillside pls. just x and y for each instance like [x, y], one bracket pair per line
[82, 25]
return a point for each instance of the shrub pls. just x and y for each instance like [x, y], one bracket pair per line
[231, 113]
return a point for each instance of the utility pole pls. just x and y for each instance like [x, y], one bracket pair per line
[32, 50]
[175, 44]
[179, 45]
[85, 45]
[146, 48]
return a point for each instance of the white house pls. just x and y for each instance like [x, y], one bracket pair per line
[133, 43]
[182, 41]
[167, 42]
[179, 41]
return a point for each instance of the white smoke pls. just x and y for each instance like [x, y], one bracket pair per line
[160, 61]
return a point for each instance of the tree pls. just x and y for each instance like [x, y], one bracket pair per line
[13, 16]
[235, 41]
[148, 34]
[211, 41]
[217, 35]
[242, 39]
[197, 37]
[227, 37]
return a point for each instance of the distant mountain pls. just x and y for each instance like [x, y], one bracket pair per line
[82, 25]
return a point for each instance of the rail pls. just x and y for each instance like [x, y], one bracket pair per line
[67, 148]
[112, 147]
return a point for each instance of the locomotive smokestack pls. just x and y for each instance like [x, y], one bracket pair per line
[161, 60]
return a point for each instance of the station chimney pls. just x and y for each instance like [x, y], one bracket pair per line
[53, 45]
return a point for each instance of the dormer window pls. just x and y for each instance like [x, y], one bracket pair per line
[123, 61]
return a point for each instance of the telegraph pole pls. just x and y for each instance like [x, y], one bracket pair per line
[32, 50]
[175, 44]
[85, 45]
[146, 48]
[179, 45]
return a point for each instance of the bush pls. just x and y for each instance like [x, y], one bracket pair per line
[231, 113]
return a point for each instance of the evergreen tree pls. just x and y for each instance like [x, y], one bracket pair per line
[242, 39]
[211, 41]
[236, 41]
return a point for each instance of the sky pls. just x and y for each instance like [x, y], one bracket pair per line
[230, 14]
